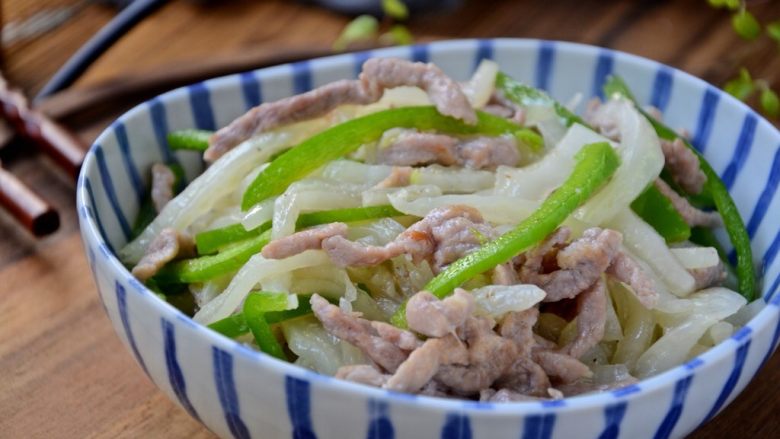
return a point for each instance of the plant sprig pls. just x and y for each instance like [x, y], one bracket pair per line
[743, 87]
[366, 28]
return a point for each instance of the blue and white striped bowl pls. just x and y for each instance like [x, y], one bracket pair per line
[238, 392]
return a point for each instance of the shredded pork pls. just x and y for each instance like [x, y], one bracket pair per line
[412, 148]
[429, 316]
[301, 241]
[683, 165]
[359, 332]
[443, 236]
[691, 215]
[580, 264]
[163, 180]
[169, 245]
[378, 74]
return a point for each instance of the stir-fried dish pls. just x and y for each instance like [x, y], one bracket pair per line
[459, 239]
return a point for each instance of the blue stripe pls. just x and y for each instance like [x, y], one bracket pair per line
[694, 363]
[741, 151]
[625, 391]
[544, 65]
[775, 337]
[767, 194]
[709, 104]
[420, 53]
[772, 290]
[554, 403]
[728, 388]
[250, 87]
[127, 159]
[200, 101]
[603, 69]
[175, 375]
[299, 407]
[380, 426]
[456, 426]
[662, 88]
[93, 206]
[358, 59]
[613, 416]
[538, 426]
[301, 75]
[108, 186]
[121, 300]
[771, 252]
[673, 415]
[160, 127]
[226, 389]
[484, 51]
[743, 333]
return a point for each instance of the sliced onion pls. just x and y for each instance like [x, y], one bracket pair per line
[546, 120]
[692, 258]
[641, 160]
[453, 180]
[709, 306]
[643, 241]
[497, 300]
[310, 195]
[480, 87]
[316, 348]
[259, 214]
[354, 172]
[419, 200]
[253, 272]
[218, 180]
[536, 181]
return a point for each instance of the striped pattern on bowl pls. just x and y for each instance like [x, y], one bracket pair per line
[240, 393]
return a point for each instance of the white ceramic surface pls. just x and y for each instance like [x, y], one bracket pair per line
[238, 392]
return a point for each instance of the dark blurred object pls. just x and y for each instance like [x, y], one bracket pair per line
[374, 7]
[84, 105]
[32, 125]
[39, 23]
[105, 38]
[26, 206]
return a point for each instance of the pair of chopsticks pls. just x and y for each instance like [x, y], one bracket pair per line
[34, 213]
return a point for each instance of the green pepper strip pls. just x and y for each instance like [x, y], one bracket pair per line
[212, 240]
[525, 95]
[595, 164]
[208, 267]
[255, 307]
[235, 325]
[195, 140]
[732, 220]
[346, 137]
[658, 211]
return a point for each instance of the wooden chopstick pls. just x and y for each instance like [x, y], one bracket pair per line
[26, 206]
[33, 125]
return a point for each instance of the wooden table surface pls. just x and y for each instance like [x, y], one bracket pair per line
[63, 372]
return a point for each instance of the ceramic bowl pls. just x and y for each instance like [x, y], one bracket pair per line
[238, 392]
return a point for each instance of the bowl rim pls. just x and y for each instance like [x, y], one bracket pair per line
[646, 386]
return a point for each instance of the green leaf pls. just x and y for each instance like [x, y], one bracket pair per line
[362, 28]
[742, 86]
[398, 35]
[717, 3]
[746, 25]
[396, 9]
[732, 4]
[773, 30]
[770, 103]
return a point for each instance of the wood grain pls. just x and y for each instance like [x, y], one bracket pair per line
[63, 371]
